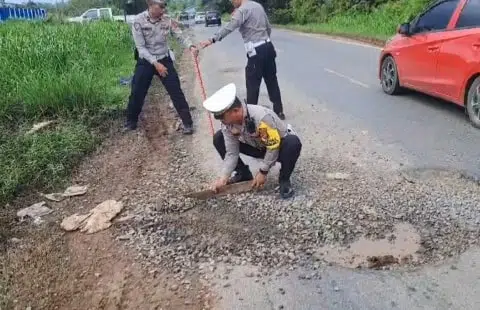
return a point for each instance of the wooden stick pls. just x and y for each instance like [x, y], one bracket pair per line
[235, 188]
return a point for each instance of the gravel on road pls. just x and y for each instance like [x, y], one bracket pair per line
[263, 230]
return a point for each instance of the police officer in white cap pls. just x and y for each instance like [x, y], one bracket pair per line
[255, 131]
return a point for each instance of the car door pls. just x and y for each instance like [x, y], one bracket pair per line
[417, 60]
[459, 53]
[91, 15]
[105, 13]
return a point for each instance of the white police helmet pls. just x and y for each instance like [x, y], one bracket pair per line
[221, 100]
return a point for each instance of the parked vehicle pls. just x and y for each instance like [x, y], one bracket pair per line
[213, 18]
[100, 13]
[437, 53]
[183, 19]
[200, 18]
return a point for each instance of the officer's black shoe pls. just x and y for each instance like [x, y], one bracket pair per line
[281, 116]
[241, 176]
[187, 129]
[286, 190]
[129, 125]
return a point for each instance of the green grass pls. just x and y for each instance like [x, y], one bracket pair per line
[63, 72]
[379, 24]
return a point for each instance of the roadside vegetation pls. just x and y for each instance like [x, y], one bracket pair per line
[66, 73]
[370, 19]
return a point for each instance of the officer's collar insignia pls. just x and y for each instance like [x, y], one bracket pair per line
[151, 20]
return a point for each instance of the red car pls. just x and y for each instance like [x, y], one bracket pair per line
[437, 53]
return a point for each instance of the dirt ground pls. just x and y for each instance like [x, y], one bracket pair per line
[43, 267]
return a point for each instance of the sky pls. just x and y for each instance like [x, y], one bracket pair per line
[25, 1]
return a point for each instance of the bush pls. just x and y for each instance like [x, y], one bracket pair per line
[61, 71]
[65, 70]
[282, 16]
[370, 18]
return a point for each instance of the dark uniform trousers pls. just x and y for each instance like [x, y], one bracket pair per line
[290, 148]
[263, 65]
[142, 79]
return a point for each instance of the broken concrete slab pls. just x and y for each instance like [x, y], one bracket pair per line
[35, 211]
[98, 219]
[74, 221]
[57, 197]
[75, 190]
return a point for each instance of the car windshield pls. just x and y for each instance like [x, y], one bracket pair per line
[212, 14]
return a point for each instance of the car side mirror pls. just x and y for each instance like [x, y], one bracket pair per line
[404, 29]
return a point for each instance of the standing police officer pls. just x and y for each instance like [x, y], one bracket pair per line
[254, 26]
[254, 131]
[150, 32]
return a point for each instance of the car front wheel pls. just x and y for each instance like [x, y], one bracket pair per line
[473, 103]
[389, 76]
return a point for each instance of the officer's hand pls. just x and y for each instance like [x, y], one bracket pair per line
[194, 51]
[259, 180]
[161, 69]
[205, 43]
[219, 184]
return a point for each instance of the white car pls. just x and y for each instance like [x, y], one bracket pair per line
[200, 18]
[101, 13]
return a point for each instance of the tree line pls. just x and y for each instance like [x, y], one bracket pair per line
[312, 11]
[280, 11]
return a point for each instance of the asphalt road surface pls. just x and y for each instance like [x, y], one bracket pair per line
[342, 76]
[333, 98]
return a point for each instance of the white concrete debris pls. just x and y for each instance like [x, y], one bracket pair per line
[35, 212]
[75, 190]
[98, 219]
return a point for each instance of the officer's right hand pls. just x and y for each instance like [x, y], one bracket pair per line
[219, 184]
[205, 43]
[161, 69]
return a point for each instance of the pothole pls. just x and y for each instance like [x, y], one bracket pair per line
[438, 173]
[398, 248]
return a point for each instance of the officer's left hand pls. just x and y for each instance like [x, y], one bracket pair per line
[259, 180]
[194, 51]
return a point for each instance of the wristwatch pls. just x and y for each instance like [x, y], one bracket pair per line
[212, 39]
[263, 172]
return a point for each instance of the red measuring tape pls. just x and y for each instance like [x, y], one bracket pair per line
[202, 87]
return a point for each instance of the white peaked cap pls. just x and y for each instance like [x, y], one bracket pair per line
[222, 99]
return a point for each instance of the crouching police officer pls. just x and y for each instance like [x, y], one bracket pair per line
[255, 131]
[150, 32]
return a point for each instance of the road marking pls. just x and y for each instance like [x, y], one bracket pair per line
[335, 39]
[347, 77]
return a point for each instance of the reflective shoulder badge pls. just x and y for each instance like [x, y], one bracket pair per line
[269, 136]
